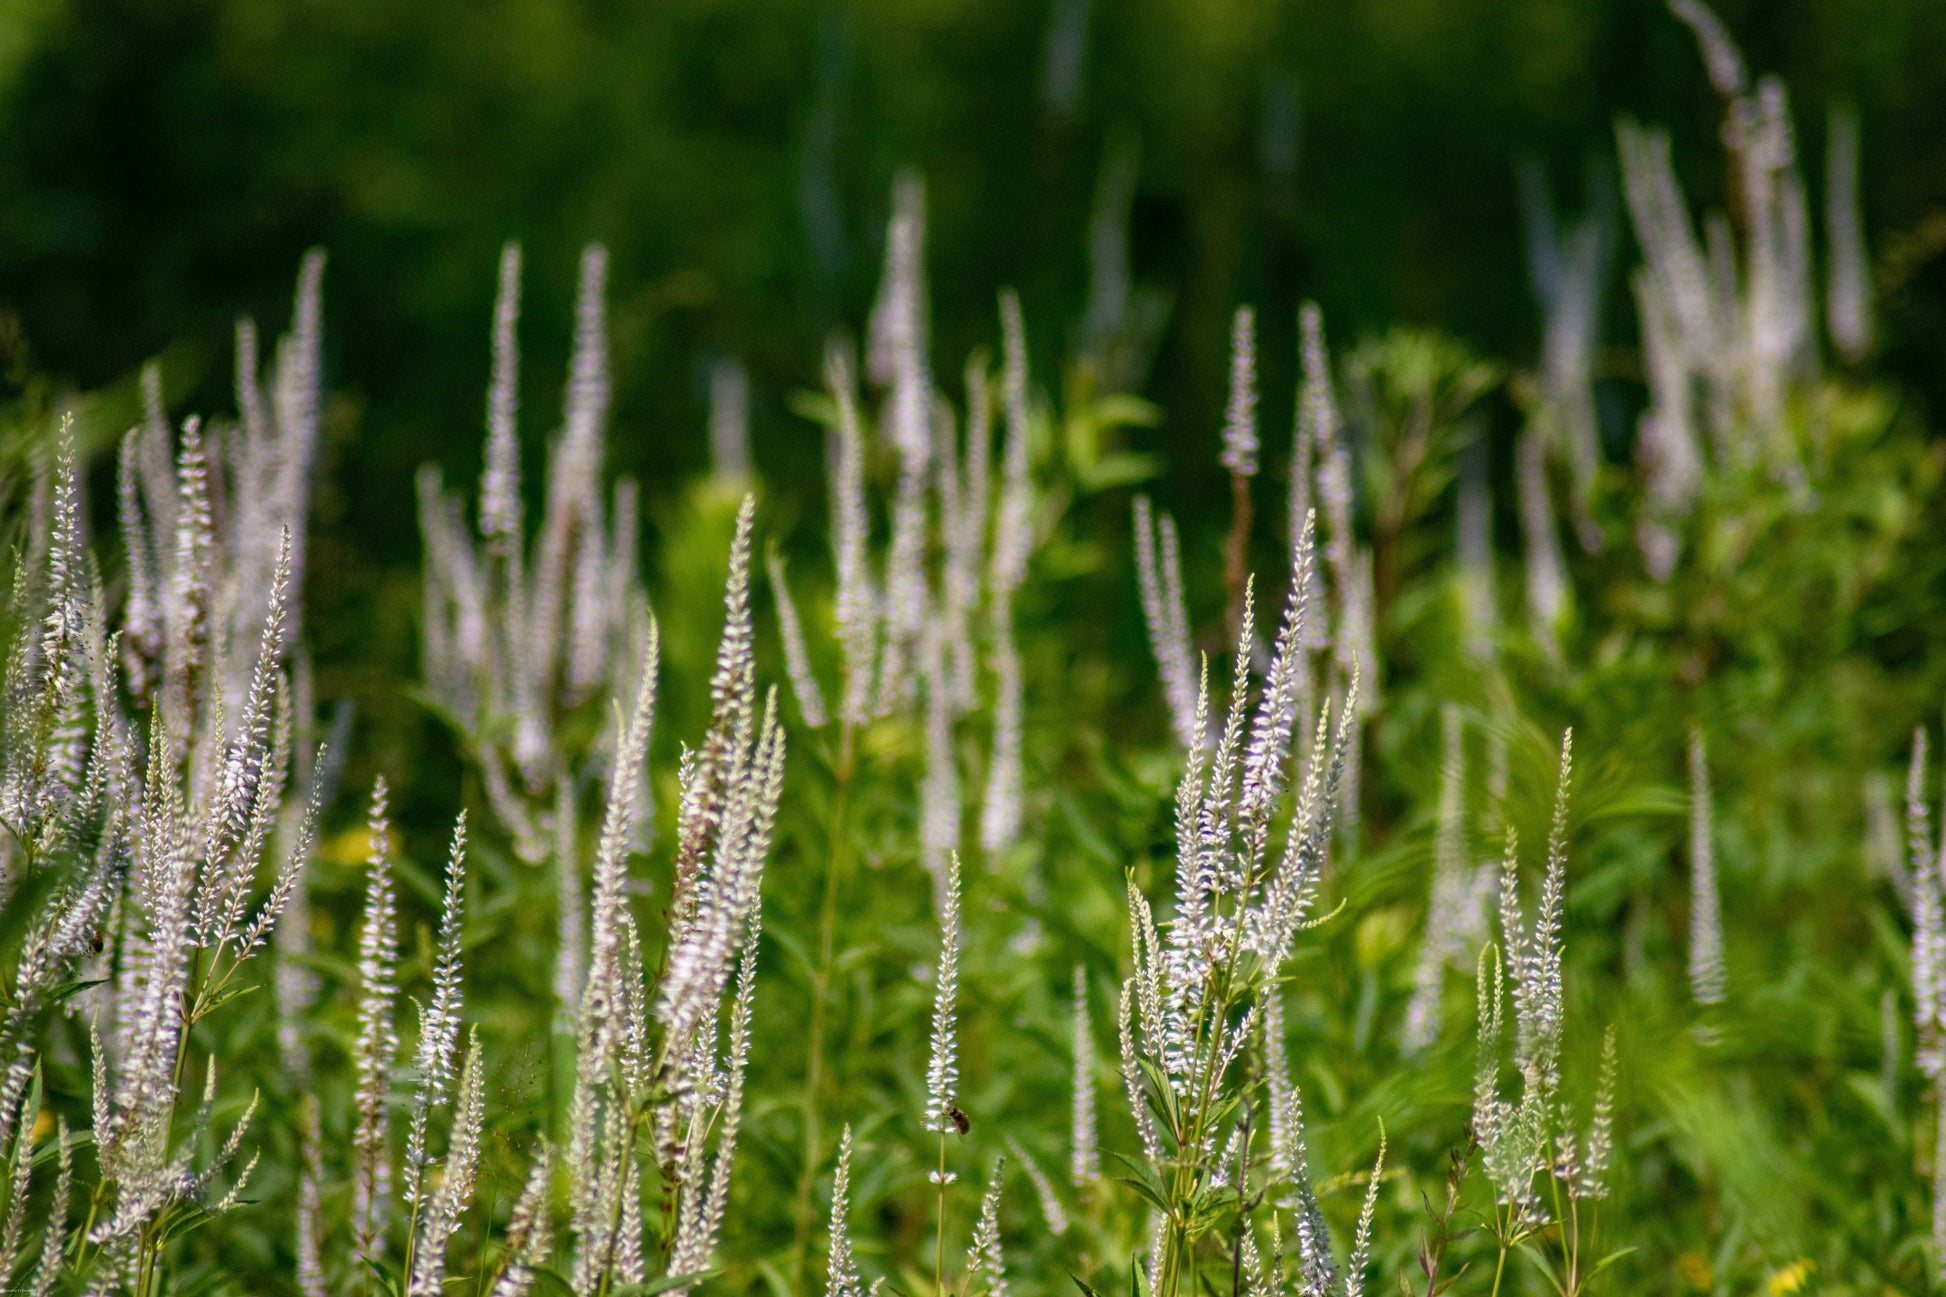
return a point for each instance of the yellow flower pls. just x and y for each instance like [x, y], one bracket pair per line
[1791, 1277]
[1694, 1267]
[352, 846]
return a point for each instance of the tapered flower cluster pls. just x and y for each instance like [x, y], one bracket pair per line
[986, 1264]
[1239, 455]
[1522, 1139]
[1706, 975]
[427, 1209]
[918, 628]
[439, 1026]
[1926, 869]
[841, 1270]
[1348, 561]
[1568, 266]
[1315, 1270]
[658, 1081]
[376, 1046]
[516, 634]
[530, 1234]
[942, 1066]
[137, 843]
[1337, 643]
[797, 654]
[1084, 1153]
[1729, 315]
[1456, 909]
[1052, 1210]
[441, 1214]
[1926, 902]
[1202, 995]
[729, 421]
[1013, 526]
[1158, 570]
[896, 361]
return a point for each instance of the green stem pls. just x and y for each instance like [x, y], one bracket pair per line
[191, 1001]
[1215, 1007]
[939, 1247]
[87, 1227]
[1236, 551]
[149, 1259]
[411, 1236]
[1574, 1246]
[615, 1223]
[1502, 1234]
[1175, 1246]
[1563, 1226]
[836, 859]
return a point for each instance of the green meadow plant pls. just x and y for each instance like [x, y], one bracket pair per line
[1009, 953]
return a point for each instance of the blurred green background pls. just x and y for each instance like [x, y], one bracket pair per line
[163, 164]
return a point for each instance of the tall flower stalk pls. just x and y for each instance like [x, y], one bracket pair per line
[912, 625]
[943, 1116]
[1927, 868]
[658, 1089]
[1706, 974]
[159, 850]
[1455, 911]
[519, 634]
[1543, 1175]
[1194, 1007]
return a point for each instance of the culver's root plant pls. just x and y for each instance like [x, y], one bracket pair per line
[1548, 1182]
[1222, 1161]
[134, 844]
[256, 1038]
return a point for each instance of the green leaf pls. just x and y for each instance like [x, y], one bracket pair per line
[816, 406]
[1143, 1179]
[1219, 1115]
[68, 990]
[185, 1219]
[800, 954]
[235, 991]
[774, 1279]
[1162, 1096]
[1123, 468]
[1541, 1262]
[1145, 1189]
[1122, 410]
[391, 1284]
